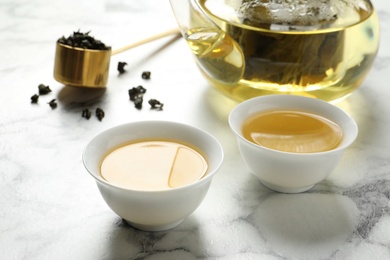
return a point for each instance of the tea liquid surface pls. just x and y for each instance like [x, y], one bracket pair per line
[292, 131]
[153, 165]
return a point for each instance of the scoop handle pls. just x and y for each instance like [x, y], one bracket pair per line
[146, 40]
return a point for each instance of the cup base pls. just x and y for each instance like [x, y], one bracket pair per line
[154, 228]
[283, 189]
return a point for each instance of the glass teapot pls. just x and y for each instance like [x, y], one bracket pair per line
[246, 48]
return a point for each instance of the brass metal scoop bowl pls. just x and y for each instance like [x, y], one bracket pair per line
[81, 67]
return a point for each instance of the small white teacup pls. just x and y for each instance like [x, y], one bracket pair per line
[290, 172]
[161, 209]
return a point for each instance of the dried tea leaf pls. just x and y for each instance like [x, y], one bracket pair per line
[121, 67]
[43, 90]
[155, 104]
[99, 113]
[34, 99]
[135, 92]
[53, 104]
[138, 102]
[86, 113]
[146, 75]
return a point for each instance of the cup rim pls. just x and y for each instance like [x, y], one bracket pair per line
[205, 134]
[246, 105]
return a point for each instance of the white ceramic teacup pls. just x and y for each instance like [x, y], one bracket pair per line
[286, 171]
[153, 210]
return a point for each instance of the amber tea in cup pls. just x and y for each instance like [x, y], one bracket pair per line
[292, 131]
[153, 165]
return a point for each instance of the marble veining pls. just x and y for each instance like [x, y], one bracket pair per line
[373, 200]
[50, 208]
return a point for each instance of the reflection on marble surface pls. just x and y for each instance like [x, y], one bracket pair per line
[50, 208]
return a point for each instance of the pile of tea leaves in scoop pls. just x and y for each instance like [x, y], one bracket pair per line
[83, 40]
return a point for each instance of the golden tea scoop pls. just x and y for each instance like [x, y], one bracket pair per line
[82, 67]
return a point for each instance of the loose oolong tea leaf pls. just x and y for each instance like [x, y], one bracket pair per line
[138, 102]
[99, 113]
[136, 95]
[43, 90]
[136, 91]
[155, 104]
[86, 113]
[146, 75]
[53, 104]
[141, 90]
[34, 99]
[83, 40]
[121, 67]
[133, 92]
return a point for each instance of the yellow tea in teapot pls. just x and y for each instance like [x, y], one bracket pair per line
[321, 49]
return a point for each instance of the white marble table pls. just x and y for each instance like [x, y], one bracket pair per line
[50, 208]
